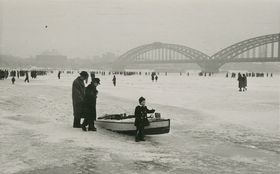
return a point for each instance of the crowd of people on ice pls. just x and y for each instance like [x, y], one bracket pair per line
[242, 79]
[4, 74]
[251, 74]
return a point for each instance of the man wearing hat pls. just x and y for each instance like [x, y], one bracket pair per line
[141, 119]
[90, 105]
[78, 94]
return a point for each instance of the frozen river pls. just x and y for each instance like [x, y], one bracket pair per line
[214, 128]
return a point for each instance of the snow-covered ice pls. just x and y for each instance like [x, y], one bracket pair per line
[214, 128]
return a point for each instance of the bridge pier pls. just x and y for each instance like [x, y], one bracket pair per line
[210, 66]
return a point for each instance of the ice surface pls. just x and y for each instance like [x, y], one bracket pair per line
[214, 128]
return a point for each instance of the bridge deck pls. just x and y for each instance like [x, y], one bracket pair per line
[213, 61]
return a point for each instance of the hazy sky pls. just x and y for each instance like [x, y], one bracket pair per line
[83, 28]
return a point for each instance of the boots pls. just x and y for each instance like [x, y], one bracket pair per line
[91, 127]
[84, 128]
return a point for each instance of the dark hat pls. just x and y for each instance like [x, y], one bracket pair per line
[96, 80]
[84, 74]
[141, 99]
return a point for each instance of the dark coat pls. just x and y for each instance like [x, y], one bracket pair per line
[244, 79]
[240, 81]
[141, 114]
[90, 101]
[78, 94]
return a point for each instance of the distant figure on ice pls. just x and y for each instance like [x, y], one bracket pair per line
[18, 74]
[13, 80]
[244, 79]
[33, 74]
[90, 105]
[240, 81]
[153, 77]
[26, 77]
[58, 75]
[114, 80]
[141, 119]
[92, 74]
[156, 78]
[78, 94]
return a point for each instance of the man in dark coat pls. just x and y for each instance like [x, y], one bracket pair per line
[13, 80]
[114, 80]
[26, 77]
[141, 119]
[90, 105]
[78, 94]
[240, 81]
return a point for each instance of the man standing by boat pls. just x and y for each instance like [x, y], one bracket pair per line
[78, 94]
[141, 119]
[90, 105]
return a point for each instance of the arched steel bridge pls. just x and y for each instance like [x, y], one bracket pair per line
[259, 49]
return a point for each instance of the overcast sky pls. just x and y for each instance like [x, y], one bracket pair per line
[83, 28]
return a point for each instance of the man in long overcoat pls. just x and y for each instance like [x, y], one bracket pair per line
[78, 94]
[240, 81]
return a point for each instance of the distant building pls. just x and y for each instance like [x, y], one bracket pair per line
[51, 59]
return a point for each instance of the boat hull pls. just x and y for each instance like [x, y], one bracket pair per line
[157, 126]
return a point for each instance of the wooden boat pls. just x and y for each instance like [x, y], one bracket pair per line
[125, 124]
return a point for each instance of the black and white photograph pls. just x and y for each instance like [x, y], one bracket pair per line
[139, 86]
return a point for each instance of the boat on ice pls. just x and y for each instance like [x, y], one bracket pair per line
[125, 124]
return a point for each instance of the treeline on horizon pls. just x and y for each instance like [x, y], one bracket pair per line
[10, 61]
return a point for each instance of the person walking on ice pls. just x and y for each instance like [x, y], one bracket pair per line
[114, 80]
[58, 75]
[26, 77]
[13, 80]
[141, 119]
